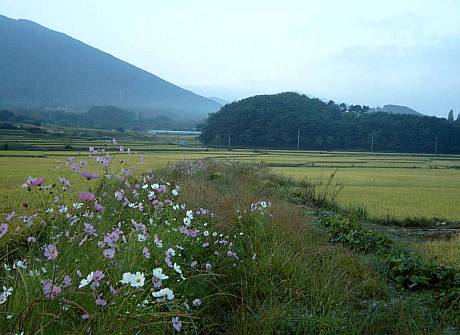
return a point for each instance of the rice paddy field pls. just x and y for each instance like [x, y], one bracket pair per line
[387, 186]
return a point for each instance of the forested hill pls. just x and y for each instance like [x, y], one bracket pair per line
[272, 121]
[42, 68]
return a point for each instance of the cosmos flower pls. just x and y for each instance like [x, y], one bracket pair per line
[158, 273]
[5, 294]
[89, 229]
[99, 207]
[85, 281]
[177, 268]
[3, 229]
[176, 323]
[134, 280]
[163, 294]
[37, 181]
[67, 281]
[100, 301]
[119, 195]
[10, 216]
[98, 275]
[88, 175]
[146, 253]
[50, 251]
[50, 290]
[86, 196]
[109, 253]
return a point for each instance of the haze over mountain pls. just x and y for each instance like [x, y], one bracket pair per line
[219, 100]
[43, 68]
[396, 109]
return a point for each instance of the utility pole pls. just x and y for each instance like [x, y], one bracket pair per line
[229, 142]
[298, 139]
[372, 144]
[436, 146]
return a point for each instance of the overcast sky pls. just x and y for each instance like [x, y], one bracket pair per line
[368, 52]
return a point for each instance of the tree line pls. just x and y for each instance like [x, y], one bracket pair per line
[288, 120]
[99, 117]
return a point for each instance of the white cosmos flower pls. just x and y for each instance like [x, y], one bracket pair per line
[141, 237]
[126, 279]
[171, 252]
[20, 265]
[63, 209]
[133, 279]
[177, 268]
[84, 282]
[137, 280]
[7, 291]
[158, 273]
[164, 293]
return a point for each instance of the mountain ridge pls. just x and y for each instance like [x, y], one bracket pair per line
[44, 68]
[396, 109]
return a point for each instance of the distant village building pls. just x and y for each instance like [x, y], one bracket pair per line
[174, 132]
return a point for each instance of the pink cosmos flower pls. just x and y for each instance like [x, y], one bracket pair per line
[86, 196]
[98, 275]
[50, 251]
[10, 216]
[3, 229]
[113, 290]
[100, 301]
[99, 207]
[146, 253]
[176, 323]
[37, 181]
[88, 175]
[109, 253]
[50, 290]
[67, 281]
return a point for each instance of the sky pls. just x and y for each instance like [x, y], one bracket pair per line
[369, 52]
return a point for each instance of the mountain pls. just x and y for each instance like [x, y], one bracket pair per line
[43, 68]
[396, 109]
[220, 101]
